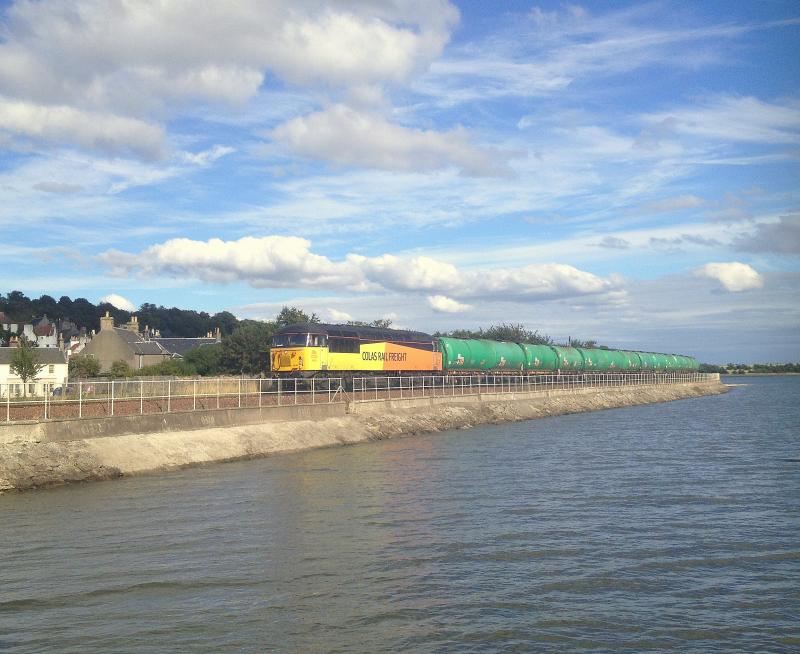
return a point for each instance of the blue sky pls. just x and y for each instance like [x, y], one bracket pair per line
[627, 173]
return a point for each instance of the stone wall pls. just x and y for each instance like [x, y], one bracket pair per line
[47, 455]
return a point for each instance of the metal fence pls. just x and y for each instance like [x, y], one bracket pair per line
[94, 399]
[366, 389]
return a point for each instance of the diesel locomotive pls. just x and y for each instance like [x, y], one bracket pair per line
[309, 349]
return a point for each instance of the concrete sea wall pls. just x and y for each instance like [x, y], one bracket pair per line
[46, 454]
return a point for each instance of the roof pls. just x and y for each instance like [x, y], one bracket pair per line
[47, 355]
[354, 331]
[137, 342]
[182, 345]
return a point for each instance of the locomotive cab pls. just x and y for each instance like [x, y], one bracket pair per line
[299, 352]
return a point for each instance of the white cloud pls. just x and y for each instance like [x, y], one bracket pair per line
[64, 125]
[733, 119]
[338, 316]
[94, 73]
[444, 304]
[344, 136]
[288, 262]
[733, 276]
[118, 301]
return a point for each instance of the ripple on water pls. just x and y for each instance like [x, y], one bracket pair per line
[669, 527]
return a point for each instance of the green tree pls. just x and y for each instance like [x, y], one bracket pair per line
[515, 333]
[292, 315]
[245, 351]
[383, 323]
[25, 364]
[81, 366]
[120, 369]
[206, 359]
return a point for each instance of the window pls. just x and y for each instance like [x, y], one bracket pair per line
[31, 389]
[290, 340]
[299, 340]
[51, 368]
[344, 345]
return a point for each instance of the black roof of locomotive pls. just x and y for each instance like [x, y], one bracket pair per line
[356, 331]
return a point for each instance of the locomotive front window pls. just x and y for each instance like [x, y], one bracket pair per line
[299, 340]
[290, 340]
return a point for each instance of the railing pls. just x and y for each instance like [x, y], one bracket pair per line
[366, 389]
[92, 399]
[122, 397]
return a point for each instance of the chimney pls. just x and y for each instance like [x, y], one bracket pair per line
[106, 322]
[218, 335]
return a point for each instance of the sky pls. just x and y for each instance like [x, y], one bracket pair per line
[627, 173]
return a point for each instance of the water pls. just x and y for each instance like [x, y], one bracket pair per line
[672, 527]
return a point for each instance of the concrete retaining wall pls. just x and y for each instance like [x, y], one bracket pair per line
[54, 453]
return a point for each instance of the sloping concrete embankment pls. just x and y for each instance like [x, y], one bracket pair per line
[46, 454]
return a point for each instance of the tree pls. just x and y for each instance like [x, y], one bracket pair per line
[120, 369]
[81, 366]
[25, 364]
[245, 350]
[206, 359]
[383, 323]
[515, 333]
[292, 315]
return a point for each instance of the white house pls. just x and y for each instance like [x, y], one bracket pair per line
[53, 373]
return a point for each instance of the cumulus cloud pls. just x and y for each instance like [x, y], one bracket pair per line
[119, 302]
[344, 136]
[99, 68]
[339, 316]
[66, 125]
[733, 276]
[288, 262]
[444, 304]
[781, 237]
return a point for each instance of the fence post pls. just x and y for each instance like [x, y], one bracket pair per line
[80, 399]
[240, 392]
[280, 391]
[141, 396]
[194, 395]
[259, 392]
[112, 397]
[313, 391]
[169, 395]
[295, 391]
[218, 392]
[8, 402]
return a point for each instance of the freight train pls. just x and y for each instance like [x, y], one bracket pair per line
[309, 349]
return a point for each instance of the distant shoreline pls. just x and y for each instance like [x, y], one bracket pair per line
[760, 374]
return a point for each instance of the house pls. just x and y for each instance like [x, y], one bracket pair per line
[124, 343]
[178, 347]
[53, 373]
